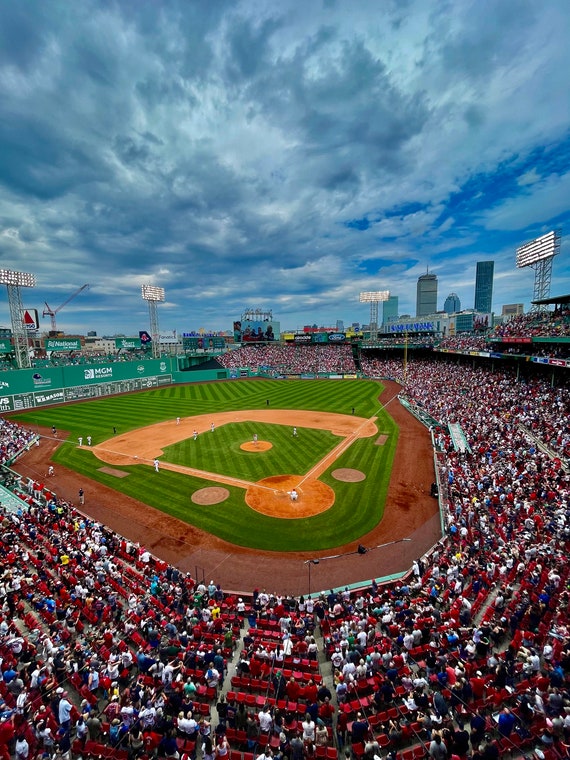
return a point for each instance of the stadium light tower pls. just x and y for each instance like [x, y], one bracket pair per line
[374, 298]
[154, 296]
[14, 281]
[538, 255]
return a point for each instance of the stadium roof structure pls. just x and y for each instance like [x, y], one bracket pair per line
[556, 299]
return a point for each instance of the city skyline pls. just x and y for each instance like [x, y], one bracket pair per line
[452, 304]
[483, 301]
[426, 294]
[277, 156]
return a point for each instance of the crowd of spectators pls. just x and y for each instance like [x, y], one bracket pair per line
[99, 640]
[470, 342]
[464, 343]
[107, 651]
[73, 358]
[486, 403]
[291, 359]
[507, 513]
[398, 339]
[535, 324]
[13, 440]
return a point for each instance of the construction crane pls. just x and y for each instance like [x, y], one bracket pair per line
[49, 312]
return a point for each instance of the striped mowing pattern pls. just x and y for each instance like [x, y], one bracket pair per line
[358, 506]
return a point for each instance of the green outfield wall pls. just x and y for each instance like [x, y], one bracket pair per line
[45, 386]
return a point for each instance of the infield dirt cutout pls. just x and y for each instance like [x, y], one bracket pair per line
[253, 446]
[209, 496]
[270, 496]
[348, 475]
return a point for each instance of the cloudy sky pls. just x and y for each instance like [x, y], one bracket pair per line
[279, 155]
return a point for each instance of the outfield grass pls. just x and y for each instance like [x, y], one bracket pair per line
[358, 506]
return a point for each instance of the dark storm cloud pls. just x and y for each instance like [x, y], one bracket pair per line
[346, 110]
[129, 150]
[262, 154]
[39, 160]
[23, 33]
[487, 39]
[249, 47]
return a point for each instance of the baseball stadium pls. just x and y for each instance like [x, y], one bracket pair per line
[284, 394]
[236, 518]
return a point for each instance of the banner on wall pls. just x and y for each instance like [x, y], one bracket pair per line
[127, 344]
[55, 344]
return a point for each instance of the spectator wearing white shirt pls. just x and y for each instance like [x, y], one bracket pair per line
[265, 719]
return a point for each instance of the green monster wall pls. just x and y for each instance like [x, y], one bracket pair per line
[29, 388]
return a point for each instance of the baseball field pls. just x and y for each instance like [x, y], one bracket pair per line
[220, 507]
[330, 442]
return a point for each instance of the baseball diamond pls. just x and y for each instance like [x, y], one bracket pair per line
[278, 533]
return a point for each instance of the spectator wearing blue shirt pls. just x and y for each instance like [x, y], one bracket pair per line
[506, 722]
[9, 674]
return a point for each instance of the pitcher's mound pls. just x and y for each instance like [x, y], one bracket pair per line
[346, 475]
[207, 496]
[259, 446]
[272, 496]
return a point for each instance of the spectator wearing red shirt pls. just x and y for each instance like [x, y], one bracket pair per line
[292, 689]
[311, 691]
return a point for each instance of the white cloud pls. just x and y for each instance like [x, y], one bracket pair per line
[529, 177]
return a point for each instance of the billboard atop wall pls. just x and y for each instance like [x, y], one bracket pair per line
[256, 331]
[127, 344]
[62, 344]
[328, 337]
[204, 342]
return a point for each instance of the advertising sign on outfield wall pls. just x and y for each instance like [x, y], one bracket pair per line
[50, 397]
[5, 346]
[48, 379]
[86, 374]
[28, 388]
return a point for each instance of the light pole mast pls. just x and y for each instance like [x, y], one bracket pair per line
[154, 296]
[14, 281]
[538, 255]
[374, 298]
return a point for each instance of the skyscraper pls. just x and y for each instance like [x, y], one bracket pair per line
[512, 309]
[426, 300]
[484, 286]
[390, 310]
[452, 304]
